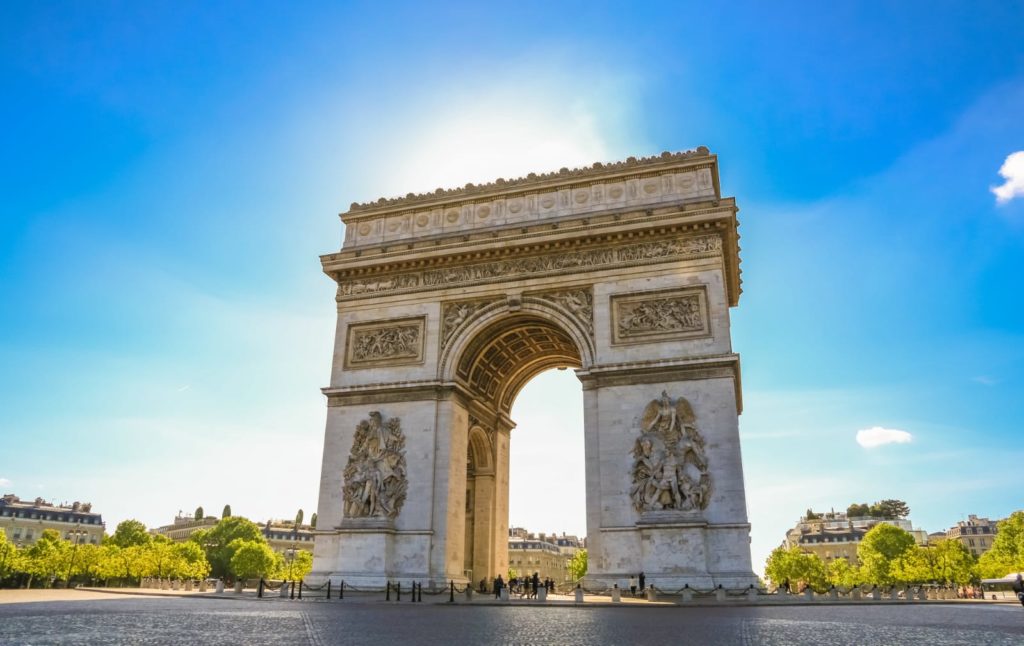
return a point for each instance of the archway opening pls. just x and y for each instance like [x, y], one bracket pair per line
[494, 368]
[547, 494]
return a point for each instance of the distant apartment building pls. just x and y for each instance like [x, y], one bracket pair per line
[24, 522]
[976, 534]
[833, 535]
[529, 553]
[284, 535]
[184, 526]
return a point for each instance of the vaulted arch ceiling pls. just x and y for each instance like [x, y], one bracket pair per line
[506, 355]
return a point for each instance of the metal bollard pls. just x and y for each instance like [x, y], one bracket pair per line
[293, 590]
[413, 599]
[341, 590]
[300, 588]
[398, 591]
[420, 595]
[259, 589]
[387, 595]
[451, 592]
[328, 589]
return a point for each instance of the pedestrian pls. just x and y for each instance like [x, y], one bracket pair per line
[643, 582]
[536, 584]
[498, 585]
[632, 586]
[1018, 587]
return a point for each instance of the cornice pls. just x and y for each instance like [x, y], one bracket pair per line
[532, 181]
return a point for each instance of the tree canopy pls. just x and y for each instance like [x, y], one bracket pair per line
[217, 541]
[578, 565]
[128, 533]
[882, 549]
[793, 566]
[251, 559]
[199, 515]
[1007, 552]
[889, 508]
[226, 513]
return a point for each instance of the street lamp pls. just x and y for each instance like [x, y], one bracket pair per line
[79, 534]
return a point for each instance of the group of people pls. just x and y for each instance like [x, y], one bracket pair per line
[524, 587]
[635, 581]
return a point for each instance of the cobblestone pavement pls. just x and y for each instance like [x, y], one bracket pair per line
[156, 620]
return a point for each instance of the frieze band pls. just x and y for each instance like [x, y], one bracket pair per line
[507, 269]
[660, 316]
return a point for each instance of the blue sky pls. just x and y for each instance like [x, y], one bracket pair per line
[170, 173]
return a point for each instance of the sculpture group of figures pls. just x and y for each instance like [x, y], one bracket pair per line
[663, 315]
[670, 468]
[387, 342]
[375, 480]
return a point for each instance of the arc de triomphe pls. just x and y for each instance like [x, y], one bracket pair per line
[449, 302]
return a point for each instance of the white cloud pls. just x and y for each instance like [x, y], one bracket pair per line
[4, 482]
[1013, 171]
[985, 380]
[877, 436]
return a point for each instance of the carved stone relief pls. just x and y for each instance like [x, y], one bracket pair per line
[516, 267]
[455, 314]
[393, 343]
[579, 302]
[670, 468]
[375, 478]
[660, 316]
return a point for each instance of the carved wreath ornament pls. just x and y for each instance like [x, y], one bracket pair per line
[375, 480]
[670, 468]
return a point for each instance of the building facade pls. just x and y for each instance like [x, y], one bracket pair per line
[184, 526]
[284, 535]
[976, 534]
[833, 535]
[528, 554]
[24, 522]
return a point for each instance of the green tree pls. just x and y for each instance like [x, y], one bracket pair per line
[129, 533]
[840, 573]
[792, 565]
[1007, 552]
[200, 514]
[294, 567]
[190, 561]
[312, 520]
[856, 510]
[892, 509]
[8, 556]
[881, 550]
[578, 565]
[88, 562]
[943, 561]
[298, 518]
[251, 559]
[811, 515]
[217, 541]
[127, 564]
[48, 558]
[159, 558]
[226, 513]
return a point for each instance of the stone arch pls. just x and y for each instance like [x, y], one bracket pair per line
[449, 302]
[498, 350]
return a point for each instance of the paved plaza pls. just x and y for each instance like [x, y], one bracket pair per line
[95, 618]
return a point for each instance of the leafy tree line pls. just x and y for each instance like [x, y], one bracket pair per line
[233, 548]
[889, 556]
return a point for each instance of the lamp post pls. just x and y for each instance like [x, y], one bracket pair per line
[78, 534]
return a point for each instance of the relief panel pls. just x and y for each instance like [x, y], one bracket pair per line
[660, 316]
[384, 343]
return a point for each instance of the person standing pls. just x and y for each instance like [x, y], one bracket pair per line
[499, 583]
[632, 586]
[1018, 587]
[643, 582]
